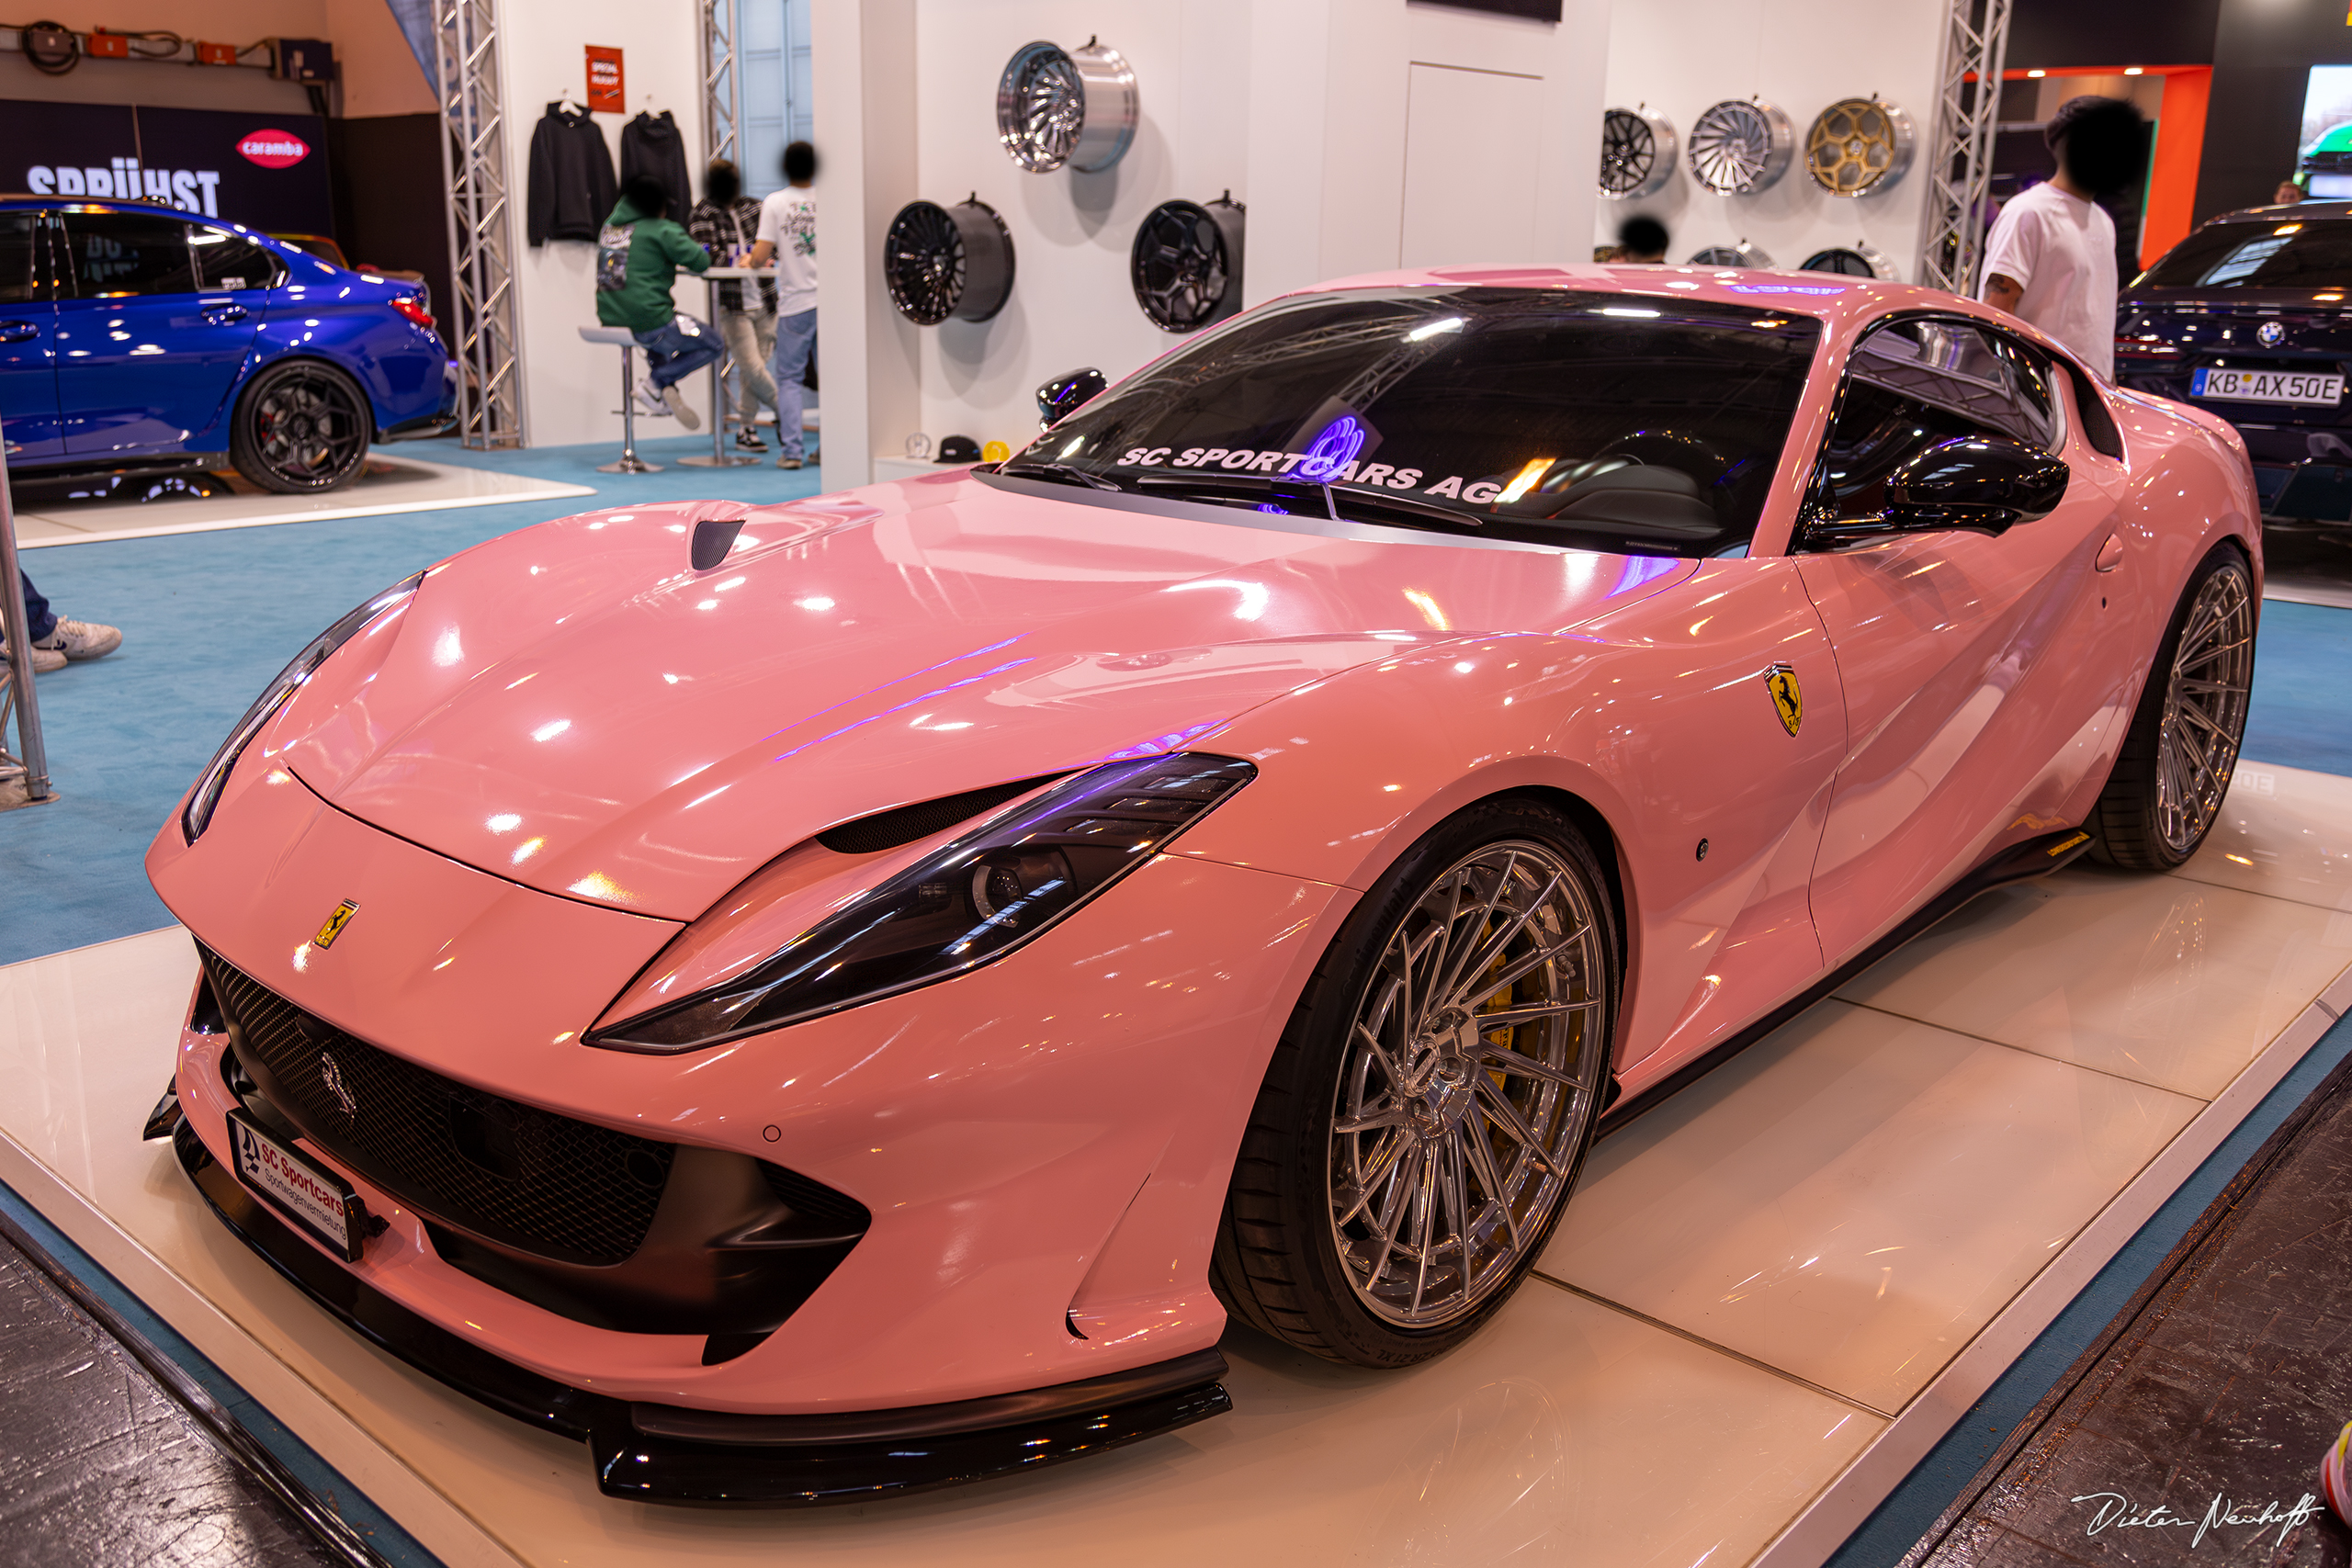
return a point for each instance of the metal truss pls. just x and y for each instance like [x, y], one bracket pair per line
[722, 91]
[1959, 173]
[473, 164]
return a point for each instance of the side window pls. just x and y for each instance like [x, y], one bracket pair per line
[128, 253]
[20, 235]
[1912, 385]
[227, 260]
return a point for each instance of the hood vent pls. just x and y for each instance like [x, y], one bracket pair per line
[905, 824]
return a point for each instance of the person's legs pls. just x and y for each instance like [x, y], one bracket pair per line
[749, 354]
[794, 334]
[39, 619]
[54, 640]
[674, 351]
[677, 350]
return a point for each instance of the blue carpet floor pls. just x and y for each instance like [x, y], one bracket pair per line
[206, 620]
[2302, 715]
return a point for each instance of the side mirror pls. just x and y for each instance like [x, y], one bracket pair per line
[1984, 483]
[1064, 393]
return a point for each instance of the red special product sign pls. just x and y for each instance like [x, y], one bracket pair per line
[274, 149]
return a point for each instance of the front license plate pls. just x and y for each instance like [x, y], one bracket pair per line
[2268, 387]
[299, 1187]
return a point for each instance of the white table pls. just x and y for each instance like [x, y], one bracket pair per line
[720, 457]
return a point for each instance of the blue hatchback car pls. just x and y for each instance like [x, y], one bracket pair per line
[138, 338]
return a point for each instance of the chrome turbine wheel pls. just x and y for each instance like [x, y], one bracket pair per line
[1473, 1067]
[2205, 709]
[1741, 146]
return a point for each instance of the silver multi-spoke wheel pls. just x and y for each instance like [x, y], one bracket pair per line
[1471, 1071]
[2205, 709]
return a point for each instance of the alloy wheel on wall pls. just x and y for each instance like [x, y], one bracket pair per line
[1076, 106]
[1637, 152]
[1741, 146]
[1859, 147]
[1185, 263]
[943, 263]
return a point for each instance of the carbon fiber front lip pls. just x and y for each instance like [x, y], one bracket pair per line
[739, 1461]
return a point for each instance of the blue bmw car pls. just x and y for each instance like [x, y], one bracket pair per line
[140, 339]
[2248, 316]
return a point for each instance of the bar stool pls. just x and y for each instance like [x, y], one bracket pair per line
[626, 341]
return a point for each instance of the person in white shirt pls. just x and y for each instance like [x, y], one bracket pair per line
[788, 237]
[2050, 257]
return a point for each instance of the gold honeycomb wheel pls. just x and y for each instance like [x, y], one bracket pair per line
[1858, 146]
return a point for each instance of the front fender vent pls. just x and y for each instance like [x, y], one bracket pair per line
[905, 824]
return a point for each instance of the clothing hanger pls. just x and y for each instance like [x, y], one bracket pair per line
[566, 102]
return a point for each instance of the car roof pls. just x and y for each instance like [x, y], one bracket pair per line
[12, 200]
[2301, 210]
[1842, 304]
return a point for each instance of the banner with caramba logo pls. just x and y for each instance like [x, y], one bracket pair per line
[267, 171]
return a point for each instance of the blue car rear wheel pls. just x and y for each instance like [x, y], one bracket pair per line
[302, 427]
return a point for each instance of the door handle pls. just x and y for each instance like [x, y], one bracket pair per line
[2110, 554]
[221, 315]
[18, 331]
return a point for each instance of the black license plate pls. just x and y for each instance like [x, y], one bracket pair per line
[299, 1187]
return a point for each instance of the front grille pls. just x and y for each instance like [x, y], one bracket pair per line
[509, 1172]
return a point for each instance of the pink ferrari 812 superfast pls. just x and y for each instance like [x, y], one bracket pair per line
[832, 998]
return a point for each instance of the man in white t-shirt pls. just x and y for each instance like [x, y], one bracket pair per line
[2050, 257]
[788, 237]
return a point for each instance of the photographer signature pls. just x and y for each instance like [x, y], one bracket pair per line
[2113, 1510]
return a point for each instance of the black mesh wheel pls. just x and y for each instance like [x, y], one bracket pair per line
[302, 427]
[1637, 152]
[1186, 263]
[942, 261]
[1845, 263]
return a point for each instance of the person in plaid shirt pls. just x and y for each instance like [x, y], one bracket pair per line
[726, 223]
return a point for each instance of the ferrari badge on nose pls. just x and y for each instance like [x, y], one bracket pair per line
[345, 911]
[1788, 699]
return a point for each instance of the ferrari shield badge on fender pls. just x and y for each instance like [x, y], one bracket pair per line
[1788, 698]
[345, 911]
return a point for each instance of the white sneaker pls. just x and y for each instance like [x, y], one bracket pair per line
[676, 402]
[78, 640]
[45, 660]
[649, 400]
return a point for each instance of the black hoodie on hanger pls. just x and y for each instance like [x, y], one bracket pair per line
[650, 145]
[572, 189]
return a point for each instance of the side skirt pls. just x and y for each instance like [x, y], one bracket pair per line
[2020, 863]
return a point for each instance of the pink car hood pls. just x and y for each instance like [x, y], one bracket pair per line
[575, 708]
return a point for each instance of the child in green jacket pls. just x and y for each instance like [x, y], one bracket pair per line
[637, 256]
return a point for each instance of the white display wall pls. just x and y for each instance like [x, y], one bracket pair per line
[570, 388]
[1361, 135]
[1683, 56]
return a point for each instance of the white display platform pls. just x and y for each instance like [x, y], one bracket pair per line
[392, 484]
[1771, 1295]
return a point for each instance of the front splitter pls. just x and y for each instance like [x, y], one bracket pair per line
[738, 1460]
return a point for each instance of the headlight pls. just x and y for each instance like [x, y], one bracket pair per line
[207, 794]
[975, 900]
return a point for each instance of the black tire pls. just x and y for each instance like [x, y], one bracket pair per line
[302, 428]
[2175, 766]
[1304, 1249]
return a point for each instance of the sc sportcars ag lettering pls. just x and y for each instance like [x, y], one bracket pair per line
[853, 995]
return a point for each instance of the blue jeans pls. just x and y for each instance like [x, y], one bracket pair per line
[795, 337]
[40, 620]
[676, 351]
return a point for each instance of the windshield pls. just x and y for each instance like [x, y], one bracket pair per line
[1604, 422]
[2297, 253]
